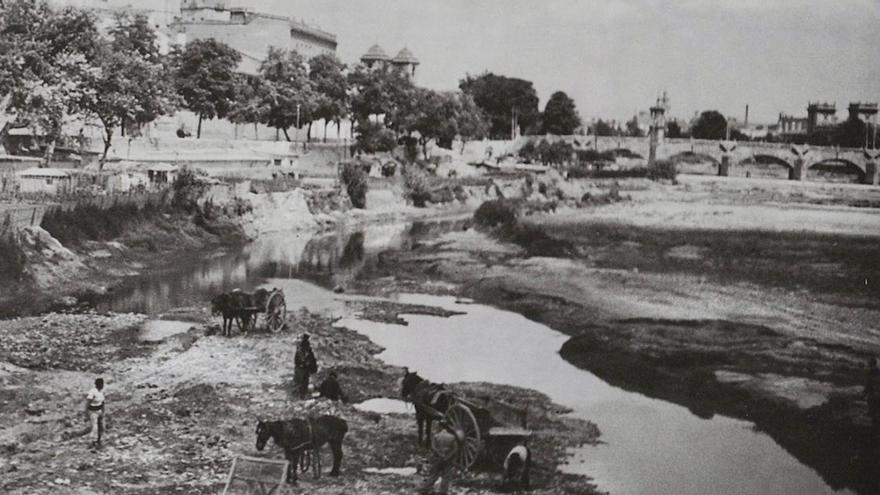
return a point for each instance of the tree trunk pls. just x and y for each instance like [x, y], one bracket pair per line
[286, 135]
[50, 150]
[326, 122]
[309, 133]
[424, 147]
[255, 131]
[122, 127]
[199, 129]
[108, 133]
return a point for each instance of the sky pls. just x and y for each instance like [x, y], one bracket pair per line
[614, 56]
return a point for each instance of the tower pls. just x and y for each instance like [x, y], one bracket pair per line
[375, 56]
[407, 62]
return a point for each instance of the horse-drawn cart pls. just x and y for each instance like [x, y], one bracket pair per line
[482, 428]
[244, 309]
[274, 308]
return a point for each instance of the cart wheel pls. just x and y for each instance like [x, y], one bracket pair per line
[276, 312]
[460, 422]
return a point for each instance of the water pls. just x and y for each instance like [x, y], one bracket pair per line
[652, 447]
[384, 405]
[326, 258]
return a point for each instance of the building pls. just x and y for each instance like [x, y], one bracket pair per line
[249, 32]
[789, 126]
[45, 180]
[404, 61]
[821, 118]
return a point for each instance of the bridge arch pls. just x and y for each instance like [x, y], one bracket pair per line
[694, 162]
[836, 170]
[764, 165]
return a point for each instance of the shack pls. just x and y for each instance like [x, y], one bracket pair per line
[45, 180]
[161, 173]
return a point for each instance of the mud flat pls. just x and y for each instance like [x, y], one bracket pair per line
[180, 408]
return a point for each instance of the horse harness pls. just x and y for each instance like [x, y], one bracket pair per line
[306, 460]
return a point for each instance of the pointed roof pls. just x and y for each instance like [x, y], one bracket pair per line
[375, 53]
[405, 56]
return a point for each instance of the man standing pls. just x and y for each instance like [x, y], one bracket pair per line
[95, 410]
[305, 365]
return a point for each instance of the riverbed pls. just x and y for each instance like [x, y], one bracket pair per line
[650, 445]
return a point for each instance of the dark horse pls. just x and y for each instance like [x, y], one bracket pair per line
[296, 435]
[423, 393]
[233, 306]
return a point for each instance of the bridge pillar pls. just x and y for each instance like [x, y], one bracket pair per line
[799, 170]
[872, 173]
[724, 166]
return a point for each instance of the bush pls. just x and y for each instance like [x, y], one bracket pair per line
[498, 212]
[13, 260]
[663, 169]
[374, 138]
[188, 187]
[354, 177]
[417, 184]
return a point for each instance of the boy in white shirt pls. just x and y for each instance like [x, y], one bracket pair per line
[95, 410]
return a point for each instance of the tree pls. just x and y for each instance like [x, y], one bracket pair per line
[710, 125]
[288, 99]
[633, 129]
[379, 91]
[471, 121]
[673, 130]
[503, 99]
[441, 116]
[205, 78]
[853, 133]
[46, 57]
[132, 85]
[560, 116]
[247, 106]
[328, 77]
[603, 128]
[135, 35]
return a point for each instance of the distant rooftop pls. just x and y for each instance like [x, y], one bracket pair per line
[405, 56]
[375, 53]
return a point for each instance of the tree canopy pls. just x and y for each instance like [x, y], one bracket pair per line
[330, 83]
[710, 125]
[206, 78]
[560, 115]
[501, 98]
[379, 91]
[47, 59]
[287, 97]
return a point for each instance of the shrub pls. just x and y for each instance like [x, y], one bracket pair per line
[188, 187]
[497, 212]
[417, 184]
[354, 177]
[13, 260]
[663, 169]
[528, 152]
[374, 138]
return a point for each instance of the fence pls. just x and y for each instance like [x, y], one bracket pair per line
[18, 216]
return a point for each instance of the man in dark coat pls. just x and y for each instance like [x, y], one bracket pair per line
[330, 388]
[305, 365]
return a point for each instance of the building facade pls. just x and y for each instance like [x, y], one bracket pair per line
[249, 32]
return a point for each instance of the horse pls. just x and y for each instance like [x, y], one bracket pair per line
[224, 304]
[423, 393]
[296, 435]
[232, 306]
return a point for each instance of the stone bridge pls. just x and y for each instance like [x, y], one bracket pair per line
[862, 164]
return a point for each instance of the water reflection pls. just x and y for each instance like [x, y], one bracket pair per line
[326, 258]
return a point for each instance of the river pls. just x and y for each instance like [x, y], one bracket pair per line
[650, 446]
